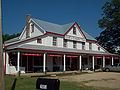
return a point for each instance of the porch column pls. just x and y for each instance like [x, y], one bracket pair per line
[80, 63]
[7, 58]
[4, 61]
[64, 69]
[93, 61]
[7, 64]
[112, 61]
[44, 62]
[103, 61]
[18, 61]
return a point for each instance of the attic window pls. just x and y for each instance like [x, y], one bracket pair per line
[74, 44]
[32, 28]
[39, 40]
[83, 45]
[74, 30]
[98, 48]
[90, 46]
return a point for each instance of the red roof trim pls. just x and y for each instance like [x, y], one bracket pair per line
[69, 29]
[91, 41]
[24, 40]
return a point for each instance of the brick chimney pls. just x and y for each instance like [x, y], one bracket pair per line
[27, 26]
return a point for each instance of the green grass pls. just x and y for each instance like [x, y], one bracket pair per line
[28, 83]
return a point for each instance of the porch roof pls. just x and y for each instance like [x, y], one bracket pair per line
[58, 49]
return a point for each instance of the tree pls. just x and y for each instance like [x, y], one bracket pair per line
[8, 36]
[110, 23]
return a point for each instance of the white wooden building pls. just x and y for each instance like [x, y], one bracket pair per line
[48, 47]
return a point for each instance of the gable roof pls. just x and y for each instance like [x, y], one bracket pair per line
[59, 29]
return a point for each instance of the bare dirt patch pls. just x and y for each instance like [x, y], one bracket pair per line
[109, 80]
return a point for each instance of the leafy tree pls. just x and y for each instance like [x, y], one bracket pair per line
[110, 23]
[8, 36]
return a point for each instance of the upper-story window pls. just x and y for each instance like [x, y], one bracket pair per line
[65, 43]
[39, 40]
[98, 48]
[54, 41]
[32, 28]
[83, 45]
[74, 44]
[74, 30]
[90, 46]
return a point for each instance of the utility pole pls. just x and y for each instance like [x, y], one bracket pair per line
[2, 84]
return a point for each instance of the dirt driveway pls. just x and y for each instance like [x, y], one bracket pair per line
[107, 80]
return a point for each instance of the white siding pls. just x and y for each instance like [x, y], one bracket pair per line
[37, 32]
[86, 46]
[59, 42]
[49, 41]
[94, 47]
[79, 45]
[70, 44]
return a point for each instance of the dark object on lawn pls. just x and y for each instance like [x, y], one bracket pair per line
[47, 84]
[14, 84]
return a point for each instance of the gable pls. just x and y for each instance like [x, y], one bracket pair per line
[36, 32]
[74, 33]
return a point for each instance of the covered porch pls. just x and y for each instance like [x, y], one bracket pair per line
[44, 61]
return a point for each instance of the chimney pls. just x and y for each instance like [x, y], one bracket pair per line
[27, 26]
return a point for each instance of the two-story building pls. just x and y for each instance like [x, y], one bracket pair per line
[48, 47]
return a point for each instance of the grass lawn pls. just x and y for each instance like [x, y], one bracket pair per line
[28, 83]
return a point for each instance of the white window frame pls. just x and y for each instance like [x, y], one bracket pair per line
[64, 43]
[74, 44]
[39, 40]
[54, 41]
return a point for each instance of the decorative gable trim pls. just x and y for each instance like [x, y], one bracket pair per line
[72, 27]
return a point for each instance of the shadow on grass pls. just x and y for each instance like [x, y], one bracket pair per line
[14, 84]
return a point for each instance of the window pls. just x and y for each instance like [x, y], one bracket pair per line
[98, 48]
[65, 43]
[32, 28]
[83, 45]
[90, 46]
[39, 40]
[54, 41]
[74, 44]
[74, 30]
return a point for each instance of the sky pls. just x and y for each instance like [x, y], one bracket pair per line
[85, 12]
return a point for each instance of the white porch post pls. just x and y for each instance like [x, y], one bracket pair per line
[7, 58]
[7, 64]
[93, 61]
[80, 63]
[112, 61]
[103, 61]
[18, 61]
[44, 62]
[64, 69]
